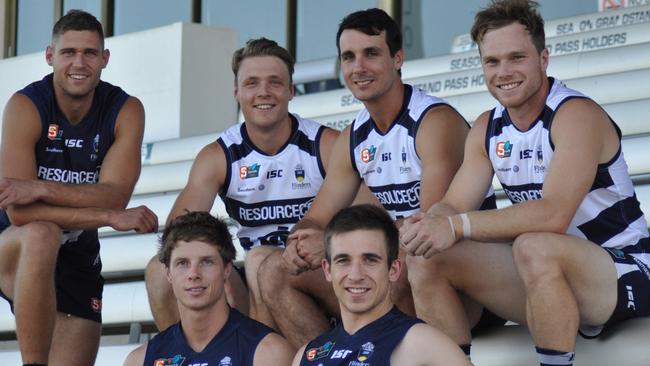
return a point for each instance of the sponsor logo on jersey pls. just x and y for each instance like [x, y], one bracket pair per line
[366, 351]
[53, 150]
[540, 168]
[299, 173]
[368, 154]
[226, 361]
[67, 176]
[404, 169]
[174, 361]
[400, 197]
[504, 149]
[53, 132]
[96, 304]
[515, 168]
[251, 171]
[272, 211]
[523, 195]
[275, 173]
[340, 353]
[93, 155]
[630, 298]
[319, 352]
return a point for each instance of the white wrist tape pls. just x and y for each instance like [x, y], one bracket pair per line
[453, 230]
[467, 226]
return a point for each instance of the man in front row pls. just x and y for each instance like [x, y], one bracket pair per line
[573, 251]
[197, 251]
[372, 330]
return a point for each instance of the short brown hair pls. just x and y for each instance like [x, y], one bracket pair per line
[262, 47]
[363, 217]
[501, 13]
[197, 226]
[77, 20]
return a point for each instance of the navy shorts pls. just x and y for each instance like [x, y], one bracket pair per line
[78, 280]
[633, 269]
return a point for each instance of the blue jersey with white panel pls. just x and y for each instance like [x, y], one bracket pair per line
[388, 162]
[233, 345]
[268, 194]
[371, 345]
[609, 215]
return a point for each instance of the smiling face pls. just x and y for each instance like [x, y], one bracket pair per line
[77, 59]
[368, 68]
[197, 274]
[263, 90]
[359, 272]
[515, 72]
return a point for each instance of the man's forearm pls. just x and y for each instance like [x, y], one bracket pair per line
[100, 195]
[68, 218]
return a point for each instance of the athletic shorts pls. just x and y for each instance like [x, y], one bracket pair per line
[632, 267]
[78, 281]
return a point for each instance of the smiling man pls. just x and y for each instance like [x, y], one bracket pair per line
[404, 145]
[572, 252]
[197, 252]
[69, 159]
[267, 170]
[361, 246]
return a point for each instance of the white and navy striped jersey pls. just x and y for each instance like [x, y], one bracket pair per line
[388, 162]
[609, 215]
[267, 194]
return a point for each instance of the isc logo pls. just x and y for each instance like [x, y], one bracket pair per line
[75, 143]
[274, 174]
[342, 353]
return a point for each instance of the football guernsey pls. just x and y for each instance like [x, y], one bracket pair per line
[268, 194]
[234, 345]
[371, 345]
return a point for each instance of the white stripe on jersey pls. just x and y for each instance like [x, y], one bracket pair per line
[266, 194]
[388, 163]
[609, 215]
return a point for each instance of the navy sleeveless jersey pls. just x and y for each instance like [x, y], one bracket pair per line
[371, 345]
[268, 194]
[73, 153]
[234, 345]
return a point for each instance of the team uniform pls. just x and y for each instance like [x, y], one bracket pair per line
[371, 345]
[73, 153]
[609, 215]
[234, 345]
[388, 162]
[267, 194]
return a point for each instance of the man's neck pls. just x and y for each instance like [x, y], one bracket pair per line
[200, 327]
[74, 109]
[525, 115]
[385, 110]
[352, 322]
[270, 140]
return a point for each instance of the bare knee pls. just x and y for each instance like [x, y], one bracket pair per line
[155, 276]
[272, 276]
[39, 242]
[423, 273]
[252, 264]
[535, 258]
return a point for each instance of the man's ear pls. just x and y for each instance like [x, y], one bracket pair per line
[326, 269]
